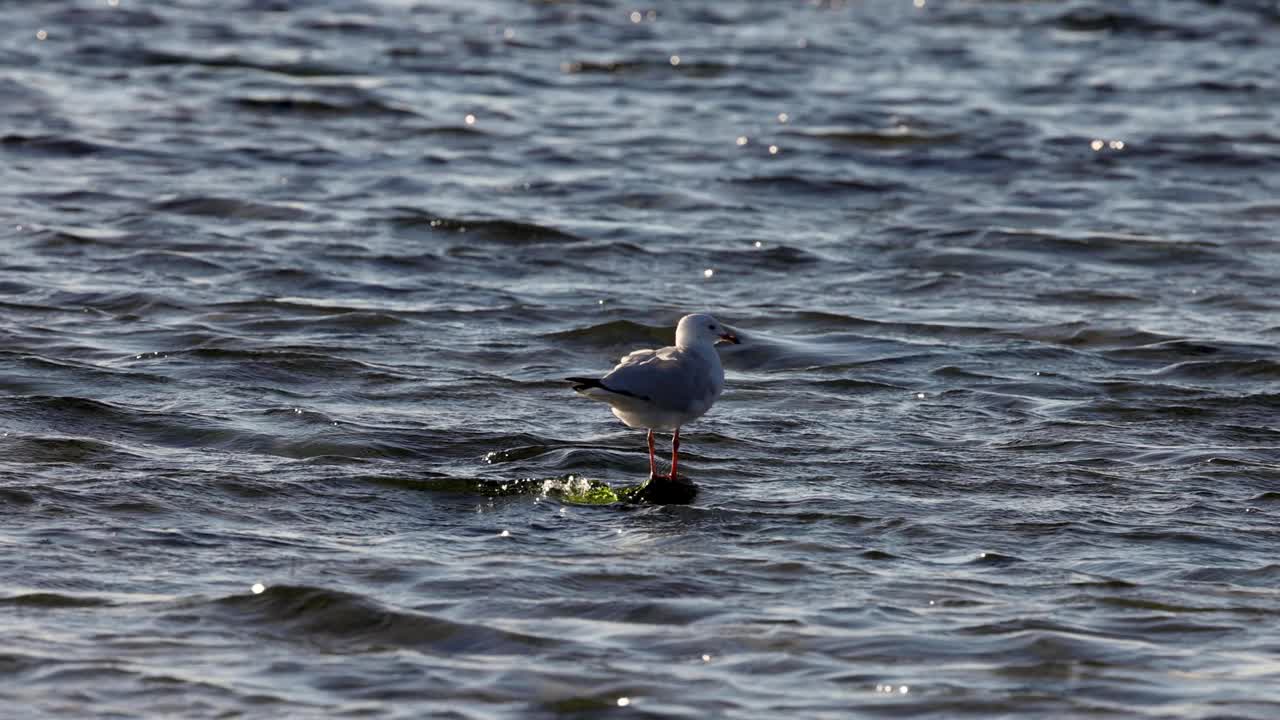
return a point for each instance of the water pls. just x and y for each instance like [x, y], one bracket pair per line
[288, 288]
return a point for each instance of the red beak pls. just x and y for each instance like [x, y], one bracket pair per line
[730, 338]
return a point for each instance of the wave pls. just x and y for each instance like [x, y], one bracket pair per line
[54, 145]
[1098, 19]
[306, 69]
[806, 185]
[54, 600]
[232, 208]
[508, 232]
[68, 450]
[306, 106]
[901, 136]
[613, 333]
[345, 622]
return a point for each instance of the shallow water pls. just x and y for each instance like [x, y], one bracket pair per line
[288, 289]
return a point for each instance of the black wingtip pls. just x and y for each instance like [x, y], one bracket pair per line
[580, 384]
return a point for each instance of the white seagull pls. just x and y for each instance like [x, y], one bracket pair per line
[666, 388]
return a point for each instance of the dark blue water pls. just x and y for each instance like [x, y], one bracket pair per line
[287, 290]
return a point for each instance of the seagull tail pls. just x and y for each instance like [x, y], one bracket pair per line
[581, 384]
[597, 390]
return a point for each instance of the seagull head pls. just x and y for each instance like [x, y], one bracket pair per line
[703, 329]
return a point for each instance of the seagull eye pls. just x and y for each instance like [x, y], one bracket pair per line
[711, 326]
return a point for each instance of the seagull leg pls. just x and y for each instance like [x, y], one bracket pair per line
[675, 452]
[653, 467]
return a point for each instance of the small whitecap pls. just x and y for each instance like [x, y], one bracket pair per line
[469, 119]
[624, 701]
[783, 117]
[708, 273]
[919, 396]
[1097, 145]
[706, 657]
[42, 34]
[918, 3]
[258, 588]
[1116, 144]
[505, 533]
[636, 16]
[742, 140]
[675, 60]
[509, 34]
[773, 149]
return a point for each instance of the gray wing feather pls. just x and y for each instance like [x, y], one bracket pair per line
[660, 376]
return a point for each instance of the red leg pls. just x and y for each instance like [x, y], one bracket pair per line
[653, 467]
[675, 452]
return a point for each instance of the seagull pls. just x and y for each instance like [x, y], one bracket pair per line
[666, 388]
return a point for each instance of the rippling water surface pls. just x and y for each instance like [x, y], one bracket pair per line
[287, 288]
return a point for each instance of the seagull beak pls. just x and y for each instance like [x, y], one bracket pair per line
[730, 338]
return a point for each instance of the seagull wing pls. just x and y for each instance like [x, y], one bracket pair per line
[667, 379]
